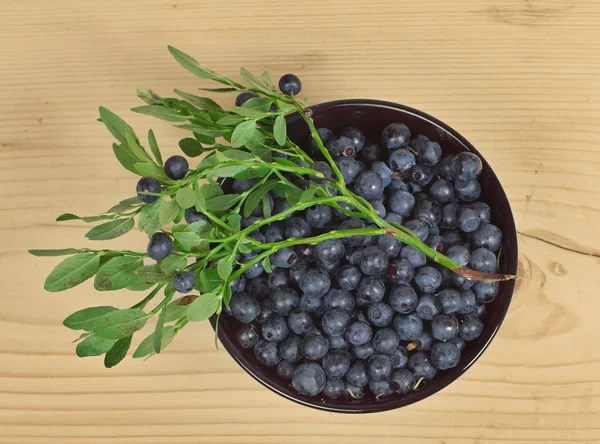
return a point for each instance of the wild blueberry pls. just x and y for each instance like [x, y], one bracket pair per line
[386, 174]
[279, 278]
[244, 307]
[348, 277]
[468, 219]
[427, 307]
[176, 167]
[467, 191]
[244, 97]
[184, 281]
[335, 321]
[402, 203]
[444, 327]
[254, 270]
[429, 211]
[285, 369]
[401, 271]
[379, 368]
[420, 364]
[435, 230]
[413, 256]
[458, 342]
[452, 237]
[418, 227]
[297, 271]
[468, 303]
[486, 291]
[314, 346]
[290, 84]
[364, 351]
[395, 135]
[159, 247]
[309, 379]
[266, 310]
[321, 167]
[466, 166]
[487, 236]
[461, 282]
[312, 304]
[403, 299]
[449, 301]
[357, 375]
[380, 314]
[284, 300]
[334, 388]
[470, 328]
[445, 167]
[374, 261]
[449, 216]
[354, 255]
[284, 258]
[338, 343]
[398, 185]
[356, 135]
[341, 146]
[445, 355]
[417, 141]
[300, 322]
[390, 245]
[267, 353]
[403, 380]
[398, 357]
[401, 160]
[290, 348]
[385, 340]
[378, 207]
[408, 327]
[339, 215]
[442, 191]
[275, 328]
[436, 243]
[421, 175]
[380, 388]
[336, 363]
[305, 252]
[191, 216]
[329, 251]
[280, 205]
[369, 185]
[349, 224]
[315, 282]
[430, 153]
[484, 260]
[147, 185]
[247, 221]
[241, 185]
[337, 298]
[359, 333]
[428, 279]
[248, 336]
[349, 168]
[372, 289]
[325, 134]
[483, 210]
[297, 227]
[459, 254]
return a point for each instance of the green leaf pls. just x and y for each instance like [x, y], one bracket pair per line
[222, 203]
[210, 190]
[154, 147]
[225, 267]
[168, 212]
[71, 216]
[202, 130]
[160, 112]
[191, 64]
[117, 273]
[230, 171]
[111, 230]
[284, 162]
[219, 90]
[146, 347]
[137, 150]
[125, 205]
[125, 158]
[279, 130]
[72, 272]
[87, 318]
[200, 227]
[309, 193]
[191, 147]
[117, 126]
[186, 198]
[255, 197]
[93, 346]
[259, 103]
[286, 108]
[235, 221]
[200, 102]
[178, 308]
[231, 120]
[158, 331]
[266, 263]
[200, 200]
[148, 221]
[153, 170]
[62, 252]
[243, 133]
[208, 280]
[268, 79]
[173, 263]
[266, 204]
[139, 286]
[121, 323]
[236, 155]
[189, 239]
[152, 273]
[254, 81]
[249, 112]
[118, 352]
[203, 307]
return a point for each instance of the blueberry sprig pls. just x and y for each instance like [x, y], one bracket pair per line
[206, 239]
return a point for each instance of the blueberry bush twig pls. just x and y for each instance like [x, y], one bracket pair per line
[212, 249]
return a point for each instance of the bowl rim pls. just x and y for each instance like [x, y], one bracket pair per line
[501, 312]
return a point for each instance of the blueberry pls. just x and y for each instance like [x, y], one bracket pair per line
[380, 388]
[417, 141]
[238, 284]
[470, 328]
[402, 203]
[254, 270]
[446, 274]
[309, 379]
[445, 167]
[372, 152]
[290, 348]
[244, 97]
[380, 314]
[338, 343]
[395, 135]
[390, 245]
[325, 134]
[359, 333]
[428, 279]
[337, 298]
[191, 216]
[371, 289]
[403, 380]
[279, 278]
[430, 153]
[369, 185]
[290, 84]
[285, 370]
[298, 270]
[444, 327]
[341, 146]
[420, 364]
[184, 281]
[408, 327]
[420, 175]
[378, 207]
[486, 291]
[350, 224]
[483, 210]
[364, 351]
[299, 321]
[266, 310]
[248, 336]
[385, 340]
[176, 167]
[468, 219]
[487, 236]
[462, 283]
[398, 185]
[312, 304]
[267, 353]
[357, 375]
[445, 355]
[418, 227]
[442, 191]
[413, 256]
[147, 185]
[334, 388]
[427, 307]
[314, 346]
[435, 230]
[348, 277]
[244, 307]
[401, 271]
[374, 261]
[284, 258]
[321, 167]
[466, 166]
[452, 237]
[458, 342]
[241, 185]
[339, 215]
[398, 358]
[449, 301]
[356, 135]
[429, 211]
[449, 216]
[335, 321]
[329, 251]
[386, 174]
[459, 254]
[401, 160]
[247, 221]
[354, 256]
[353, 391]
[275, 328]
[297, 227]
[160, 246]
[379, 368]
[403, 299]
[315, 282]
[467, 191]
[284, 300]
[349, 168]
[484, 260]
[436, 243]
[468, 303]
[336, 363]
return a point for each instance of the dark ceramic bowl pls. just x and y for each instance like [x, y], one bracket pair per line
[371, 116]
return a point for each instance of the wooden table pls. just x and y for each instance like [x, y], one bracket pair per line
[518, 78]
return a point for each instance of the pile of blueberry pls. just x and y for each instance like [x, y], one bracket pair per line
[361, 312]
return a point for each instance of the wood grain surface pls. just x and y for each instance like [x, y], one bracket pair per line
[519, 78]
